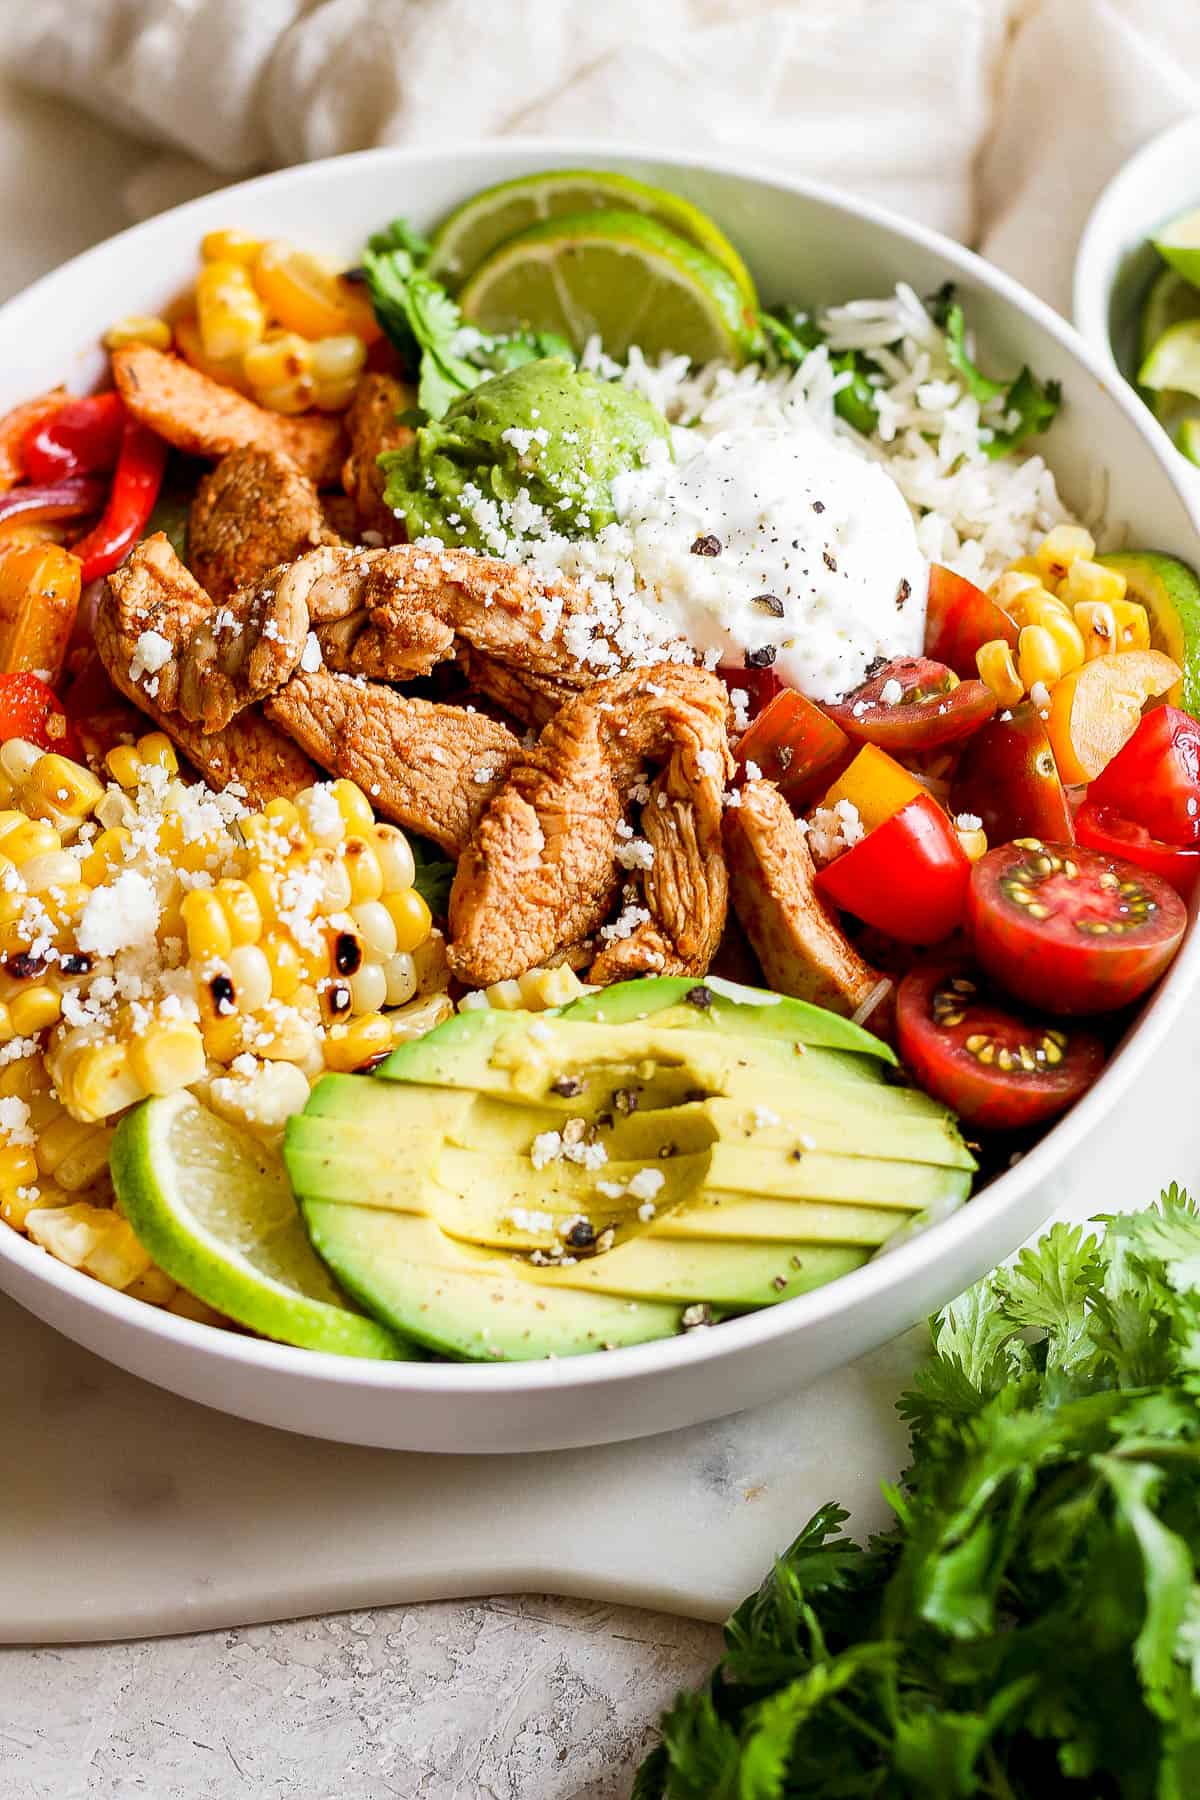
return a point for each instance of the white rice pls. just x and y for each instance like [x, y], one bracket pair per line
[974, 513]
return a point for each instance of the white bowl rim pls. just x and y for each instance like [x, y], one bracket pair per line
[849, 1292]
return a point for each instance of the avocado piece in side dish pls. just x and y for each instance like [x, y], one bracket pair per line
[1170, 592]
[517, 1185]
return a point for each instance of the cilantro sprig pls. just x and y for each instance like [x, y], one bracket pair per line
[1032, 404]
[1030, 1626]
[426, 325]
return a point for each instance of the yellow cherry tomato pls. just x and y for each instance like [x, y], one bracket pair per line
[1095, 709]
[305, 296]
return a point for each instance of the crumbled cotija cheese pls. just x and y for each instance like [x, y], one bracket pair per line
[151, 653]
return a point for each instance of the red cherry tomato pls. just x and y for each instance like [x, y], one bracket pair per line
[795, 745]
[759, 685]
[908, 877]
[1103, 828]
[1008, 778]
[31, 710]
[997, 1067]
[1072, 930]
[959, 618]
[1155, 777]
[914, 704]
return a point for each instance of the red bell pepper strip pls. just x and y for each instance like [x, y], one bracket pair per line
[83, 435]
[15, 427]
[72, 499]
[135, 486]
[29, 709]
[1104, 828]
[794, 744]
[908, 877]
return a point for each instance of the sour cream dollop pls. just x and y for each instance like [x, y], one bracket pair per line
[779, 541]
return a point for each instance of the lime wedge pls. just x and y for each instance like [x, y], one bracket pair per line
[1188, 438]
[1178, 243]
[481, 224]
[214, 1209]
[1170, 300]
[1174, 360]
[617, 275]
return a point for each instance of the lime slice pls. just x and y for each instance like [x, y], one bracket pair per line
[616, 275]
[1174, 360]
[481, 224]
[1170, 300]
[214, 1209]
[1179, 244]
[1188, 438]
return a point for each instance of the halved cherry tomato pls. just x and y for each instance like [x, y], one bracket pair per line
[760, 685]
[998, 1068]
[1103, 828]
[795, 745]
[1007, 777]
[909, 876]
[959, 619]
[1095, 709]
[29, 709]
[914, 704]
[1155, 778]
[1069, 929]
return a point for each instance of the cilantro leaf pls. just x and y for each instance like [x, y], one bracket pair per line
[1029, 403]
[434, 874]
[790, 339]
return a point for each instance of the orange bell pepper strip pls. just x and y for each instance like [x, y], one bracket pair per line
[876, 784]
[39, 597]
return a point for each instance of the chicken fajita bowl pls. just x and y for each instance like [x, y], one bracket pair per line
[600, 779]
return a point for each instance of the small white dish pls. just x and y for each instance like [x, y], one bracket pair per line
[1116, 262]
[807, 243]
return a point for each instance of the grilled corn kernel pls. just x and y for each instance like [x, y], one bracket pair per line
[29, 840]
[208, 935]
[19, 758]
[18, 1166]
[169, 1055]
[432, 964]
[74, 1146]
[1060, 548]
[972, 841]
[118, 1258]
[1039, 657]
[1098, 627]
[376, 927]
[138, 328]
[34, 1009]
[411, 917]
[100, 1082]
[400, 974]
[283, 1034]
[544, 988]
[284, 812]
[354, 1045]
[1133, 625]
[1088, 580]
[420, 1016]
[69, 1233]
[263, 1101]
[53, 869]
[228, 370]
[321, 816]
[223, 1036]
[250, 973]
[368, 988]
[281, 359]
[61, 786]
[230, 246]
[243, 915]
[155, 1287]
[354, 807]
[1009, 590]
[338, 891]
[362, 866]
[231, 317]
[16, 1204]
[124, 765]
[395, 858]
[338, 358]
[106, 854]
[157, 749]
[334, 396]
[283, 960]
[289, 397]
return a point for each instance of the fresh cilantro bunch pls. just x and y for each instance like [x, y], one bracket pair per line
[425, 324]
[1030, 1627]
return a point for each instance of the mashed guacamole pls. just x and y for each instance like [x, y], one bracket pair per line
[530, 451]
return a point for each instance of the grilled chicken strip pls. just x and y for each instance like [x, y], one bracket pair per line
[429, 767]
[153, 592]
[542, 870]
[254, 510]
[373, 425]
[199, 415]
[801, 949]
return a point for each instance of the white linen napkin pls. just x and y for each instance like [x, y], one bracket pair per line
[995, 120]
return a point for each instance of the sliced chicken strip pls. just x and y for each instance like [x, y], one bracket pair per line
[249, 752]
[432, 768]
[801, 949]
[199, 415]
[541, 871]
[254, 510]
[373, 426]
[533, 699]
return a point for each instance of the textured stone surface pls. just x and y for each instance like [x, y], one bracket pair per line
[524, 1699]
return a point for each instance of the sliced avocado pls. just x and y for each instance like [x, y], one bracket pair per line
[678, 1162]
[1170, 592]
[465, 1302]
[717, 1004]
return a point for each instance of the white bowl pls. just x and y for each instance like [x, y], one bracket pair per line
[1116, 262]
[803, 242]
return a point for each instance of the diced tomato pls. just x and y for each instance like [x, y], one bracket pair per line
[914, 704]
[1071, 929]
[1103, 828]
[759, 685]
[1155, 778]
[29, 709]
[1008, 778]
[998, 1068]
[908, 877]
[959, 619]
[795, 745]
